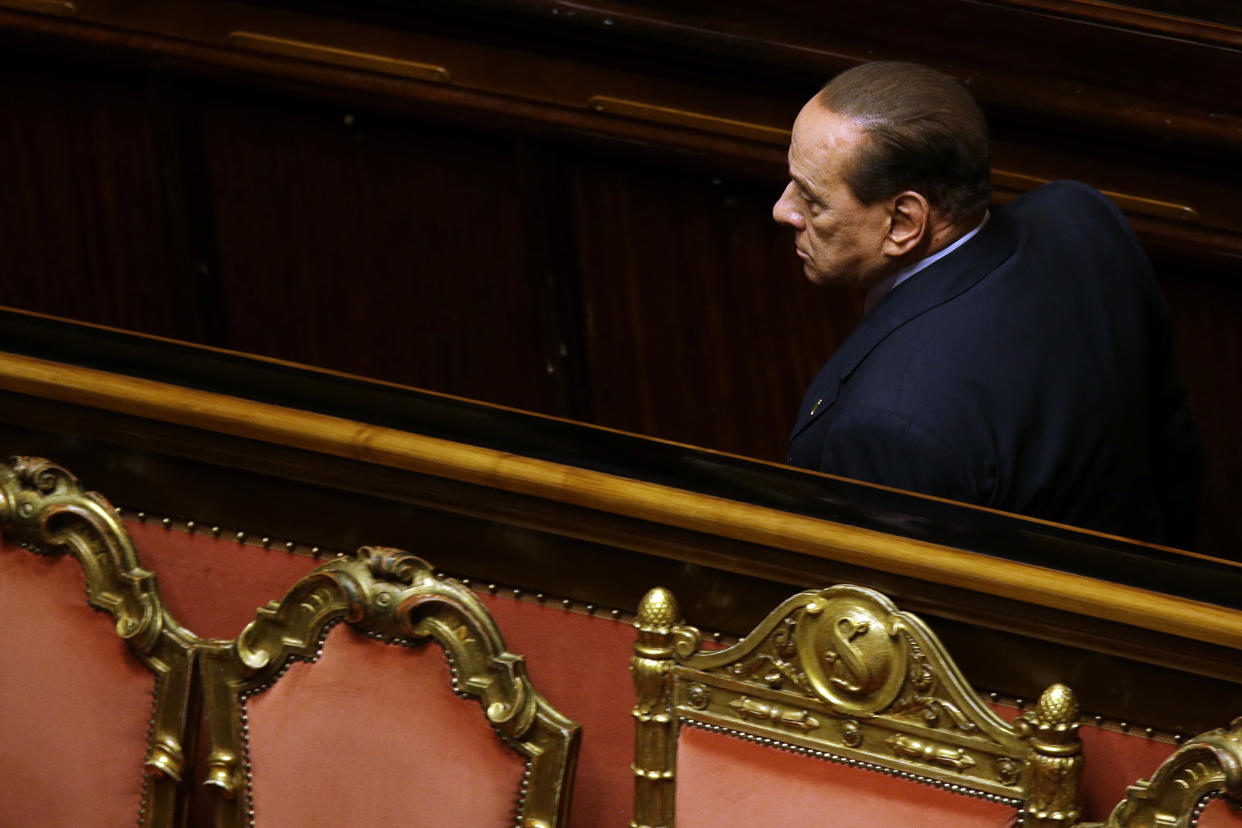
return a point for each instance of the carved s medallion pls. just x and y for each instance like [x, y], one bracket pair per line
[852, 652]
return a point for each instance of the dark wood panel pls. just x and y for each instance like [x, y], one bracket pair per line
[389, 248]
[84, 231]
[700, 325]
[442, 247]
[1204, 313]
[1175, 17]
[1029, 62]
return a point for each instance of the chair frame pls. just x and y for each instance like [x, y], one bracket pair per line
[394, 596]
[44, 508]
[843, 675]
[1205, 767]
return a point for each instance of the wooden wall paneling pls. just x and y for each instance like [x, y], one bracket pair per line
[1096, 74]
[700, 325]
[1204, 312]
[85, 230]
[1203, 180]
[194, 272]
[1175, 17]
[386, 247]
[1183, 149]
[544, 196]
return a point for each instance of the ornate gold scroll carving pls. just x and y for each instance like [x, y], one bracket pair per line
[799, 720]
[1054, 764]
[43, 507]
[841, 672]
[1209, 764]
[660, 634]
[395, 596]
[930, 753]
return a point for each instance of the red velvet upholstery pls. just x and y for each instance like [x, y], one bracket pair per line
[212, 586]
[74, 703]
[1220, 814]
[372, 734]
[580, 664]
[1115, 761]
[723, 780]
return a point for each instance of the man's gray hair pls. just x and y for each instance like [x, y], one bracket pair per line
[925, 133]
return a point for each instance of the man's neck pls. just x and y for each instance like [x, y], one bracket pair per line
[949, 233]
[950, 242]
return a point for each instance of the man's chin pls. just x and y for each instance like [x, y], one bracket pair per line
[818, 277]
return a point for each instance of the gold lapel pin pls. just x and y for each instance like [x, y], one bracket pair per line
[815, 407]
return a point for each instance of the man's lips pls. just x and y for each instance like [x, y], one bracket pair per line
[801, 255]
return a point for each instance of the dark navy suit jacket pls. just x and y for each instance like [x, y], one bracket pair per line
[1031, 370]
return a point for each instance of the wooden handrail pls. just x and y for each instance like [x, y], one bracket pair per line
[56, 8]
[348, 58]
[687, 118]
[618, 495]
[1126, 201]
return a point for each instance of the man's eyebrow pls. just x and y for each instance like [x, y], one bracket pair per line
[806, 188]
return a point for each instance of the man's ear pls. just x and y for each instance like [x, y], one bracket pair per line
[909, 223]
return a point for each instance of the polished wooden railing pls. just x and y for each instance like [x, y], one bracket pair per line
[598, 516]
[619, 495]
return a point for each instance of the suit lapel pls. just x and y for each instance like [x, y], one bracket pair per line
[941, 282]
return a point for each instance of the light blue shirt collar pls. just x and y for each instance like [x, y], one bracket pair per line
[875, 294]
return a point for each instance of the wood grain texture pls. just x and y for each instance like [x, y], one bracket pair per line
[386, 249]
[84, 231]
[615, 283]
[1212, 366]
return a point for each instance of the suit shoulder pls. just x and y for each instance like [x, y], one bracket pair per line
[1071, 205]
[1065, 196]
[1060, 194]
[903, 450]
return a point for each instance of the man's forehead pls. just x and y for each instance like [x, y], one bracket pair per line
[821, 143]
[818, 127]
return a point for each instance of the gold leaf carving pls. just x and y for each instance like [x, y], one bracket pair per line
[45, 509]
[1008, 770]
[698, 695]
[800, 720]
[851, 733]
[1211, 763]
[851, 675]
[395, 596]
[930, 753]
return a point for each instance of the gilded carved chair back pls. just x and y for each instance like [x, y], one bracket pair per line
[394, 596]
[1204, 768]
[841, 674]
[44, 509]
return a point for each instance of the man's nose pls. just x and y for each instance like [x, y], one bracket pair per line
[784, 212]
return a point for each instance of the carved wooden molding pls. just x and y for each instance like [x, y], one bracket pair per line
[395, 596]
[842, 673]
[43, 507]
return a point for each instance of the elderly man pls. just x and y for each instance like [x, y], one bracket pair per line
[1017, 358]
